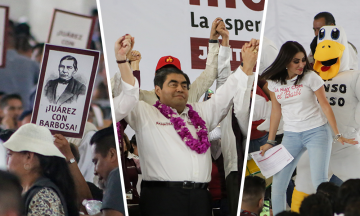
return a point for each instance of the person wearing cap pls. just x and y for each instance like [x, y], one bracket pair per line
[48, 187]
[199, 86]
[174, 155]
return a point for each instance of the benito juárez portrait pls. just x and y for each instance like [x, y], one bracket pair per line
[66, 88]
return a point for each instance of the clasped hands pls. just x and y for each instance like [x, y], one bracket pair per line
[249, 53]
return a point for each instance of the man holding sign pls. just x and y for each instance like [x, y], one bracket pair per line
[65, 89]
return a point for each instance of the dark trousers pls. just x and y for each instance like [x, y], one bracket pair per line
[170, 201]
[233, 191]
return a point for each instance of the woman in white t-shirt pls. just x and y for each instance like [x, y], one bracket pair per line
[298, 94]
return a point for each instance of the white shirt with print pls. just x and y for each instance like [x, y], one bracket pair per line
[299, 106]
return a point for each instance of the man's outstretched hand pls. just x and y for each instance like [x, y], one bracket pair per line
[123, 46]
[134, 55]
[249, 53]
[214, 35]
[224, 33]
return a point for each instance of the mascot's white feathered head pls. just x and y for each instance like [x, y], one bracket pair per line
[331, 54]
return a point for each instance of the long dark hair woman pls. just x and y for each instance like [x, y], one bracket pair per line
[48, 187]
[298, 94]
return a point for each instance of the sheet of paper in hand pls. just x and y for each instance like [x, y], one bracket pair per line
[4, 20]
[64, 89]
[274, 160]
[71, 29]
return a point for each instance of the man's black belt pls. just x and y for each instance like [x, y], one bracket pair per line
[184, 184]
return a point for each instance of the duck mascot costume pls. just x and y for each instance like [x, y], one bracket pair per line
[342, 88]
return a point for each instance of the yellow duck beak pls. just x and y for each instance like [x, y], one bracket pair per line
[327, 58]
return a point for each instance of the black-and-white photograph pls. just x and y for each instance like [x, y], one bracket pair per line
[64, 89]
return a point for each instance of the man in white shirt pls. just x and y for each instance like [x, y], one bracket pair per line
[176, 166]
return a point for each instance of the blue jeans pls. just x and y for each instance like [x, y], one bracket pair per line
[255, 144]
[318, 142]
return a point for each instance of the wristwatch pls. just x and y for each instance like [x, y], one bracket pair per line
[72, 160]
[337, 136]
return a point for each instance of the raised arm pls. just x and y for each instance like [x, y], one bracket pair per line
[242, 99]
[82, 189]
[129, 95]
[122, 47]
[134, 57]
[208, 76]
[224, 67]
[241, 81]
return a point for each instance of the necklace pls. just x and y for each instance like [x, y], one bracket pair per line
[200, 145]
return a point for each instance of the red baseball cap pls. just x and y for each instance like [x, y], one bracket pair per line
[168, 60]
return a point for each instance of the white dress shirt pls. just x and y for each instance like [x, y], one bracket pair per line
[60, 89]
[126, 100]
[262, 108]
[241, 110]
[163, 154]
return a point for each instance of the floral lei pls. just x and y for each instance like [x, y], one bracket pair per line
[199, 145]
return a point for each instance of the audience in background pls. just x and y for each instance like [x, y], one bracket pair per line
[11, 108]
[253, 196]
[10, 195]
[48, 186]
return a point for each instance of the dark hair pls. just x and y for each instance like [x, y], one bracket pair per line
[315, 205]
[57, 170]
[10, 193]
[25, 113]
[69, 57]
[11, 34]
[277, 70]
[127, 143]
[39, 46]
[22, 43]
[133, 140]
[329, 18]
[330, 191]
[161, 74]
[6, 134]
[288, 213]
[348, 190]
[22, 29]
[5, 99]
[254, 190]
[352, 207]
[104, 140]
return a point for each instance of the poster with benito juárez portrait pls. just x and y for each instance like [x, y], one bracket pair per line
[4, 19]
[64, 89]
